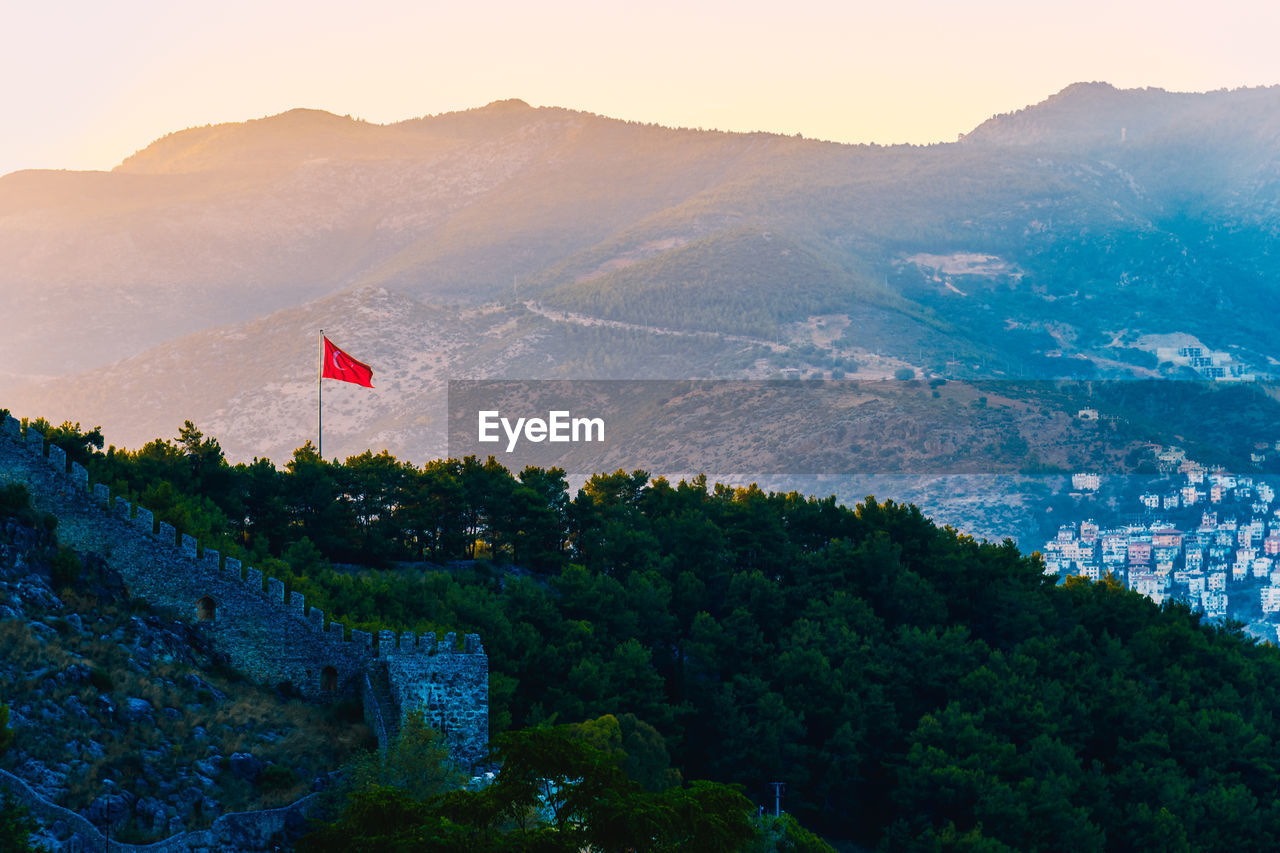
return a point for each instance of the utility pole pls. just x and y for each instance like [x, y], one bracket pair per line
[779, 788]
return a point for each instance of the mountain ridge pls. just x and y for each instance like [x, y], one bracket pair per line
[1137, 112]
[960, 259]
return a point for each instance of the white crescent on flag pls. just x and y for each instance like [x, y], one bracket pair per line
[341, 366]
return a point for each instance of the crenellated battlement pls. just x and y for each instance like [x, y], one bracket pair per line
[76, 478]
[144, 520]
[253, 579]
[267, 630]
[389, 643]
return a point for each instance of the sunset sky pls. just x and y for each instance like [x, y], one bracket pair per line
[87, 84]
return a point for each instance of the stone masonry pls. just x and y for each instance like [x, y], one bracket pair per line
[270, 636]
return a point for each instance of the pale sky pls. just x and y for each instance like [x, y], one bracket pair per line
[88, 83]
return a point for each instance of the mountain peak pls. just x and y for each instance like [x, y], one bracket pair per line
[507, 105]
[1088, 115]
[294, 135]
[305, 116]
[1083, 88]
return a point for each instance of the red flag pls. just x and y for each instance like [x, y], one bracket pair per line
[339, 365]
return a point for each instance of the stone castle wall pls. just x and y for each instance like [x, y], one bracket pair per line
[271, 636]
[449, 686]
[244, 832]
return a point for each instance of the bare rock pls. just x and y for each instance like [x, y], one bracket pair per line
[46, 781]
[110, 809]
[136, 709]
[247, 766]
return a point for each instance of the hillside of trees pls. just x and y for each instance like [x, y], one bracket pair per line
[914, 688]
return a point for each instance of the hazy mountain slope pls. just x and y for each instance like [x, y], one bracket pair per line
[1190, 152]
[124, 260]
[743, 281]
[1087, 115]
[225, 223]
[1091, 115]
[255, 384]
[597, 178]
[1040, 244]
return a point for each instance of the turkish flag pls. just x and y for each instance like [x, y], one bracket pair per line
[339, 365]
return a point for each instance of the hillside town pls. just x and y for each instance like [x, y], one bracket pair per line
[1208, 538]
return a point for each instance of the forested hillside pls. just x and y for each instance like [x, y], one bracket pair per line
[916, 689]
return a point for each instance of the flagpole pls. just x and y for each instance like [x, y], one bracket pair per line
[320, 400]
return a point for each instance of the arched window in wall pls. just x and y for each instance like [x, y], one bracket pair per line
[206, 609]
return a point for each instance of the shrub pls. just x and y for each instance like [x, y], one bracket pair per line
[65, 567]
[14, 499]
[276, 777]
[6, 734]
[101, 679]
[16, 826]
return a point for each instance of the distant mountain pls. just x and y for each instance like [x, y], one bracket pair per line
[1098, 115]
[1067, 239]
